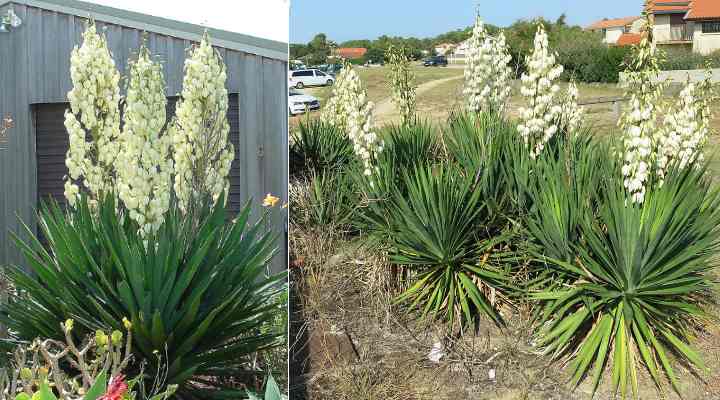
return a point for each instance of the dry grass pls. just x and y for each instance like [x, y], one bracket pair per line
[372, 349]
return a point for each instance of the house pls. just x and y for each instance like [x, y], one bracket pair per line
[350, 53]
[705, 15]
[35, 79]
[612, 29]
[689, 24]
[443, 48]
[458, 54]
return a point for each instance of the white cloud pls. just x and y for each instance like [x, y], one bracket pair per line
[262, 18]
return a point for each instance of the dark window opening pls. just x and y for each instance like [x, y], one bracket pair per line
[711, 27]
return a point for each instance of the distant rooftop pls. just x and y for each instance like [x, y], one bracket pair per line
[613, 23]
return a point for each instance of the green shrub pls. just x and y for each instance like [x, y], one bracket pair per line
[565, 192]
[678, 59]
[442, 231]
[640, 276]
[318, 146]
[482, 146]
[196, 291]
[324, 199]
[583, 54]
[410, 145]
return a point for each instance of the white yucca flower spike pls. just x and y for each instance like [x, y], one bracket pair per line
[686, 127]
[539, 121]
[487, 71]
[94, 110]
[334, 111]
[144, 167]
[360, 122]
[201, 149]
[402, 83]
[641, 136]
[572, 113]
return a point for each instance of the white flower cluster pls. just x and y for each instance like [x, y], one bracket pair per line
[334, 111]
[687, 126]
[487, 71]
[641, 136]
[144, 167]
[94, 110]
[360, 124]
[571, 116]
[402, 83]
[539, 121]
[201, 150]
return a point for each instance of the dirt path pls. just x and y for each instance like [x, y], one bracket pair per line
[385, 106]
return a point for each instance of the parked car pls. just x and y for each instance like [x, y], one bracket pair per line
[310, 77]
[299, 102]
[437, 61]
[330, 69]
[296, 65]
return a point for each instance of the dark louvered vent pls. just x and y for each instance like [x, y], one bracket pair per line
[52, 146]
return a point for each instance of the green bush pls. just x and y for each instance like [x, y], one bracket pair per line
[676, 59]
[196, 292]
[640, 276]
[442, 230]
[406, 146]
[583, 54]
[324, 199]
[487, 148]
[410, 145]
[565, 192]
[318, 146]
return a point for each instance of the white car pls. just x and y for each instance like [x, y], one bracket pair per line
[299, 102]
[309, 77]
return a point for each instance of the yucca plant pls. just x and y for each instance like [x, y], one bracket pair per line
[564, 192]
[319, 146]
[441, 230]
[197, 292]
[324, 199]
[640, 280]
[410, 144]
[477, 143]
[406, 146]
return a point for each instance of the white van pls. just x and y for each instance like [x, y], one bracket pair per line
[309, 77]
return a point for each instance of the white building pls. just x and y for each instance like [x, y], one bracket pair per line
[694, 25]
[458, 54]
[613, 29]
[444, 48]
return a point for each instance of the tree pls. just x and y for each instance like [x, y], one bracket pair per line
[375, 55]
[561, 21]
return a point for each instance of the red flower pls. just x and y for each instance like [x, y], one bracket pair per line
[116, 389]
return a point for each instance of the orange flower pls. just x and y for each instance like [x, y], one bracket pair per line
[270, 200]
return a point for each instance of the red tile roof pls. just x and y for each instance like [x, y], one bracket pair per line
[669, 6]
[629, 39]
[703, 9]
[613, 23]
[351, 52]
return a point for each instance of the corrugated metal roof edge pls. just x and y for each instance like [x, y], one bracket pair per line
[222, 38]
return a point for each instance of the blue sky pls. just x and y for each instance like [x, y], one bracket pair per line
[367, 19]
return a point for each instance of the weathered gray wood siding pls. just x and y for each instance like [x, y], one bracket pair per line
[34, 68]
